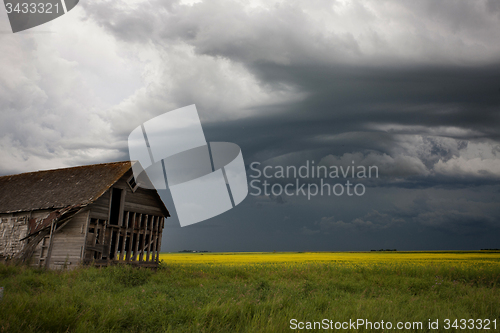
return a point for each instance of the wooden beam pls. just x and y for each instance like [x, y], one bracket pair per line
[127, 214]
[160, 229]
[49, 249]
[103, 237]
[122, 205]
[136, 252]
[144, 230]
[112, 233]
[129, 249]
[117, 242]
[154, 234]
[120, 224]
[141, 232]
[153, 238]
[103, 241]
[148, 237]
[86, 235]
[149, 244]
[97, 237]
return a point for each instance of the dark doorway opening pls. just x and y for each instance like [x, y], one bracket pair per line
[116, 196]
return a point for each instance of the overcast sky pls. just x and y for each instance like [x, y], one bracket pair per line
[412, 87]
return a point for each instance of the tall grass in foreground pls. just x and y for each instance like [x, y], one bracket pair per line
[250, 297]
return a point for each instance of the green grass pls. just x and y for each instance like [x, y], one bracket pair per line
[243, 298]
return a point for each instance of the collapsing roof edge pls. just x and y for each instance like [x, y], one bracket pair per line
[59, 188]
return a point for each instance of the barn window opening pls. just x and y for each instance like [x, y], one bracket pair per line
[116, 196]
[132, 183]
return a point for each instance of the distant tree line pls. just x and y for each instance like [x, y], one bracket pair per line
[191, 251]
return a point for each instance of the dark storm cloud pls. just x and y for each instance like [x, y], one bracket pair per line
[411, 87]
[419, 97]
[459, 217]
[448, 87]
[446, 83]
[301, 31]
[435, 69]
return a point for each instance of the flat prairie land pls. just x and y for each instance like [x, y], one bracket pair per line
[355, 258]
[448, 291]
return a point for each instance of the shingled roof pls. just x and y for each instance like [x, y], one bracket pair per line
[60, 187]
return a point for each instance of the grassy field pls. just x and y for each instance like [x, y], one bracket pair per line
[258, 292]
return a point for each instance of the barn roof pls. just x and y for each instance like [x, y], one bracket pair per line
[60, 188]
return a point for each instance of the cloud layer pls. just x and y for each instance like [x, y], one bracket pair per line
[408, 86]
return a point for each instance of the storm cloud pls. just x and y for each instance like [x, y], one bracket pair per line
[411, 87]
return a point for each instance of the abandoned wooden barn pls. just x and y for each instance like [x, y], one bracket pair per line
[88, 214]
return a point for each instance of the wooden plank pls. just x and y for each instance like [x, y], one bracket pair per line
[142, 209]
[122, 205]
[147, 240]
[118, 235]
[98, 236]
[155, 237]
[97, 233]
[41, 258]
[62, 252]
[148, 237]
[103, 239]
[160, 228]
[127, 215]
[137, 239]
[88, 240]
[47, 261]
[99, 209]
[99, 216]
[142, 198]
[66, 241]
[129, 250]
[144, 228]
[103, 200]
[73, 229]
[103, 248]
[112, 232]
[40, 213]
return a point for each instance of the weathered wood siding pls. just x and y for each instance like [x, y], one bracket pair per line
[141, 201]
[67, 243]
[137, 236]
[40, 253]
[99, 209]
[134, 237]
[12, 230]
[14, 227]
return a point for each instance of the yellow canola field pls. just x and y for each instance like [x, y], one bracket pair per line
[358, 258]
